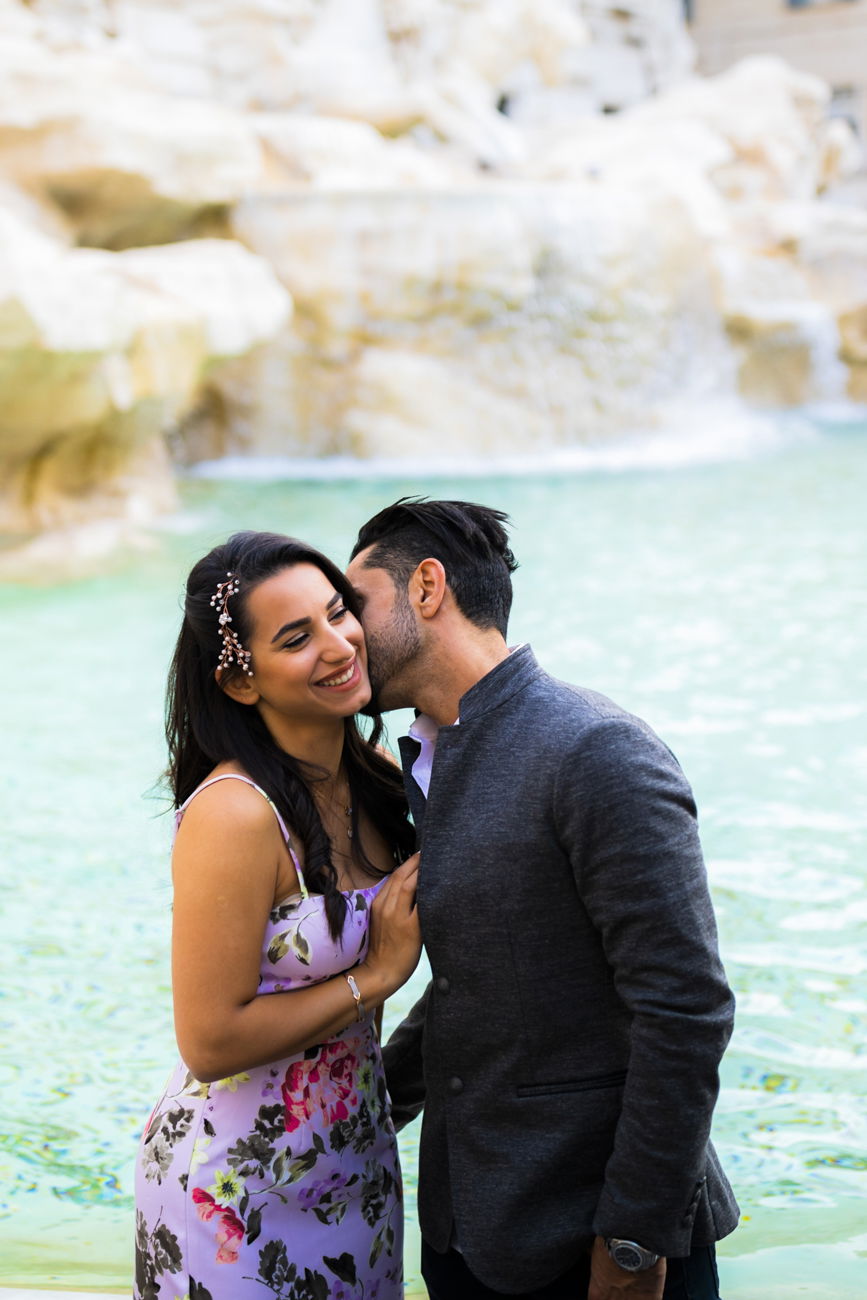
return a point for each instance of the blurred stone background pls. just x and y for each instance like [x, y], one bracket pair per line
[402, 228]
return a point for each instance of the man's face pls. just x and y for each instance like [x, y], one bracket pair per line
[393, 639]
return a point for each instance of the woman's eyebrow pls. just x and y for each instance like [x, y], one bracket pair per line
[302, 622]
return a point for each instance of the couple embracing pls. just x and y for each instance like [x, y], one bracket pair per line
[565, 1052]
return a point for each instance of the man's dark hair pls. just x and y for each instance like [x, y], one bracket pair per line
[469, 540]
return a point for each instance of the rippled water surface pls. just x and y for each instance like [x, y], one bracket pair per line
[725, 603]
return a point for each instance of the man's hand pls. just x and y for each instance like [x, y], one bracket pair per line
[610, 1282]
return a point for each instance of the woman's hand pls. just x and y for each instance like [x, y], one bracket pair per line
[226, 868]
[394, 944]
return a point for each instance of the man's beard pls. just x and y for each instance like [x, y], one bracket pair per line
[389, 651]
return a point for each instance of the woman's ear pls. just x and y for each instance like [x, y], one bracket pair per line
[239, 687]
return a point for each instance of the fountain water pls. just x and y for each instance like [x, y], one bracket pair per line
[360, 282]
[723, 602]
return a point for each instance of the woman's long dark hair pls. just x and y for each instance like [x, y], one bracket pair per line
[204, 726]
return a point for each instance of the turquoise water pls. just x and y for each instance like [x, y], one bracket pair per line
[723, 602]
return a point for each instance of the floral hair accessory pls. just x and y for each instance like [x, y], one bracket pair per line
[233, 652]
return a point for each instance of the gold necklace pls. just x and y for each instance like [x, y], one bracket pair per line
[347, 811]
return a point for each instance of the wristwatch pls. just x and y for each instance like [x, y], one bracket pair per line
[629, 1255]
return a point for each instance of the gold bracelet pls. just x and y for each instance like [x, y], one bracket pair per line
[356, 993]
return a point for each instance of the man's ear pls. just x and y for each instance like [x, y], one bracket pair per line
[238, 686]
[428, 587]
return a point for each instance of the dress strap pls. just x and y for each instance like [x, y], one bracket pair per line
[236, 776]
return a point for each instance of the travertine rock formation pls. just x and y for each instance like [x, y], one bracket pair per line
[100, 354]
[483, 256]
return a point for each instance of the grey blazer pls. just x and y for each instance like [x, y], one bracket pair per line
[566, 1051]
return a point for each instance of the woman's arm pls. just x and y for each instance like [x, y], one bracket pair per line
[225, 867]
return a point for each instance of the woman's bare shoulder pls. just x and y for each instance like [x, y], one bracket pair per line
[227, 800]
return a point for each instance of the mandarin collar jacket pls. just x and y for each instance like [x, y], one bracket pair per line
[566, 1051]
[505, 680]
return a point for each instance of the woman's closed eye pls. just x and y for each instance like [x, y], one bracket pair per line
[300, 639]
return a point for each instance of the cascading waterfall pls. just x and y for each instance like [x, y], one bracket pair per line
[380, 233]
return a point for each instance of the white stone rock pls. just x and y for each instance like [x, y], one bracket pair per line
[234, 294]
[334, 153]
[480, 262]
[101, 353]
[407, 405]
[126, 163]
[770, 115]
[578, 305]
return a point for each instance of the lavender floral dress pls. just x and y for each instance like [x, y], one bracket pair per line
[285, 1178]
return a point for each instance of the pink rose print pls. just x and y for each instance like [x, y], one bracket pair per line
[206, 1206]
[296, 1093]
[230, 1233]
[330, 1076]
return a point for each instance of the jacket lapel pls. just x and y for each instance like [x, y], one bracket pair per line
[409, 752]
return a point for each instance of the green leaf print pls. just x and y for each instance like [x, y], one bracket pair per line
[285, 910]
[300, 947]
[254, 1225]
[343, 1267]
[331, 1213]
[278, 947]
[363, 1132]
[374, 1192]
[156, 1253]
[192, 1087]
[199, 1292]
[313, 1286]
[376, 1249]
[270, 1122]
[274, 1266]
[164, 1131]
[253, 1154]
[177, 1124]
[302, 1165]
[250, 1156]
[157, 1158]
[167, 1252]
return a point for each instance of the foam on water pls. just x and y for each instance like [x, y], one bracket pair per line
[693, 435]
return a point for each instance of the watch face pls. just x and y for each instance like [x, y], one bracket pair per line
[627, 1256]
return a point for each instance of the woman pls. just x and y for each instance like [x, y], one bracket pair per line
[270, 1163]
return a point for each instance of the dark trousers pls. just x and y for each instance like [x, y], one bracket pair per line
[448, 1278]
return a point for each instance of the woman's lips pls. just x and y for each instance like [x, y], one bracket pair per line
[342, 680]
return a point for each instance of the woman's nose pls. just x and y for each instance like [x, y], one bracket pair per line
[339, 646]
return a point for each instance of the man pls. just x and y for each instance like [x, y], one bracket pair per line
[566, 1051]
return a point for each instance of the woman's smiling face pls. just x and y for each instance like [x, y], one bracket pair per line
[308, 652]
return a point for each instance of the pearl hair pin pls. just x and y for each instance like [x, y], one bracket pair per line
[233, 651]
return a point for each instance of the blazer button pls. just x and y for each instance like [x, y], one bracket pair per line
[455, 1085]
[443, 985]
